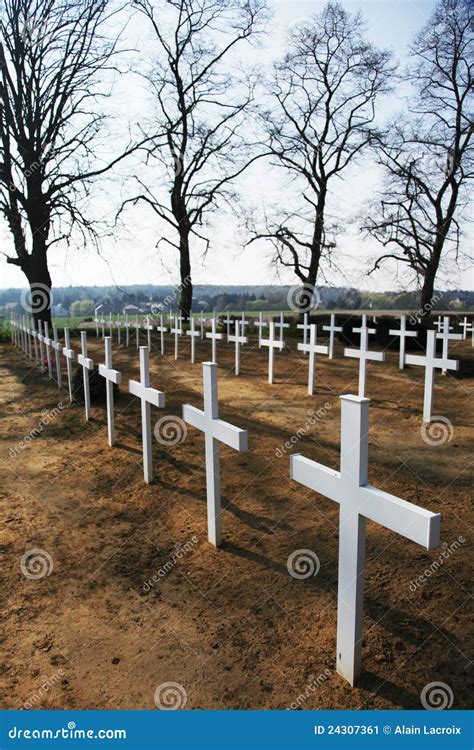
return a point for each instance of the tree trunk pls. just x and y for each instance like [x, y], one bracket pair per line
[36, 270]
[186, 287]
[309, 293]
[427, 290]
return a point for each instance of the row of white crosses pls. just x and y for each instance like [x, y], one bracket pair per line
[349, 486]
[430, 362]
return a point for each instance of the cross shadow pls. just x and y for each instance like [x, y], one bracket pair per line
[128, 448]
[393, 692]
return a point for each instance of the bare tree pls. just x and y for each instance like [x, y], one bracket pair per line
[323, 92]
[200, 130]
[428, 160]
[54, 57]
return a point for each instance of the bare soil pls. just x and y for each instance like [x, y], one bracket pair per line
[137, 597]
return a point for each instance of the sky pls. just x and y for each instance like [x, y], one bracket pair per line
[130, 256]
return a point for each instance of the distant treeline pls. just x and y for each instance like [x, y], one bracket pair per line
[250, 298]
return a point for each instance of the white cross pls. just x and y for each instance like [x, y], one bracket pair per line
[102, 323]
[272, 344]
[56, 344]
[96, 321]
[111, 376]
[305, 328]
[359, 501]
[244, 323]
[202, 322]
[312, 348]
[364, 325]
[193, 334]
[281, 325]
[260, 324]
[118, 324]
[127, 330]
[48, 342]
[178, 331]
[228, 324]
[162, 330]
[87, 364]
[215, 431]
[35, 338]
[28, 333]
[403, 333]
[214, 337]
[111, 327]
[69, 354]
[363, 355]
[170, 316]
[466, 327]
[439, 323]
[29, 348]
[137, 331]
[41, 341]
[25, 335]
[332, 328]
[430, 363]
[238, 339]
[148, 328]
[446, 336]
[149, 397]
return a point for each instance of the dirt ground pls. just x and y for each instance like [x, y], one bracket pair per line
[136, 597]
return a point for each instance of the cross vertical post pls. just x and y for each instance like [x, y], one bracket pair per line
[403, 333]
[162, 330]
[272, 344]
[312, 349]
[87, 364]
[148, 396]
[47, 342]
[57, 354]
[111, 376]
[215, 431]
[69, 354]
[332, 328]
[352, 528]
[193, 334]
[238, 340]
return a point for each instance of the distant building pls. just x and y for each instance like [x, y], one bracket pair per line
[58, 311]
[131, 310]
